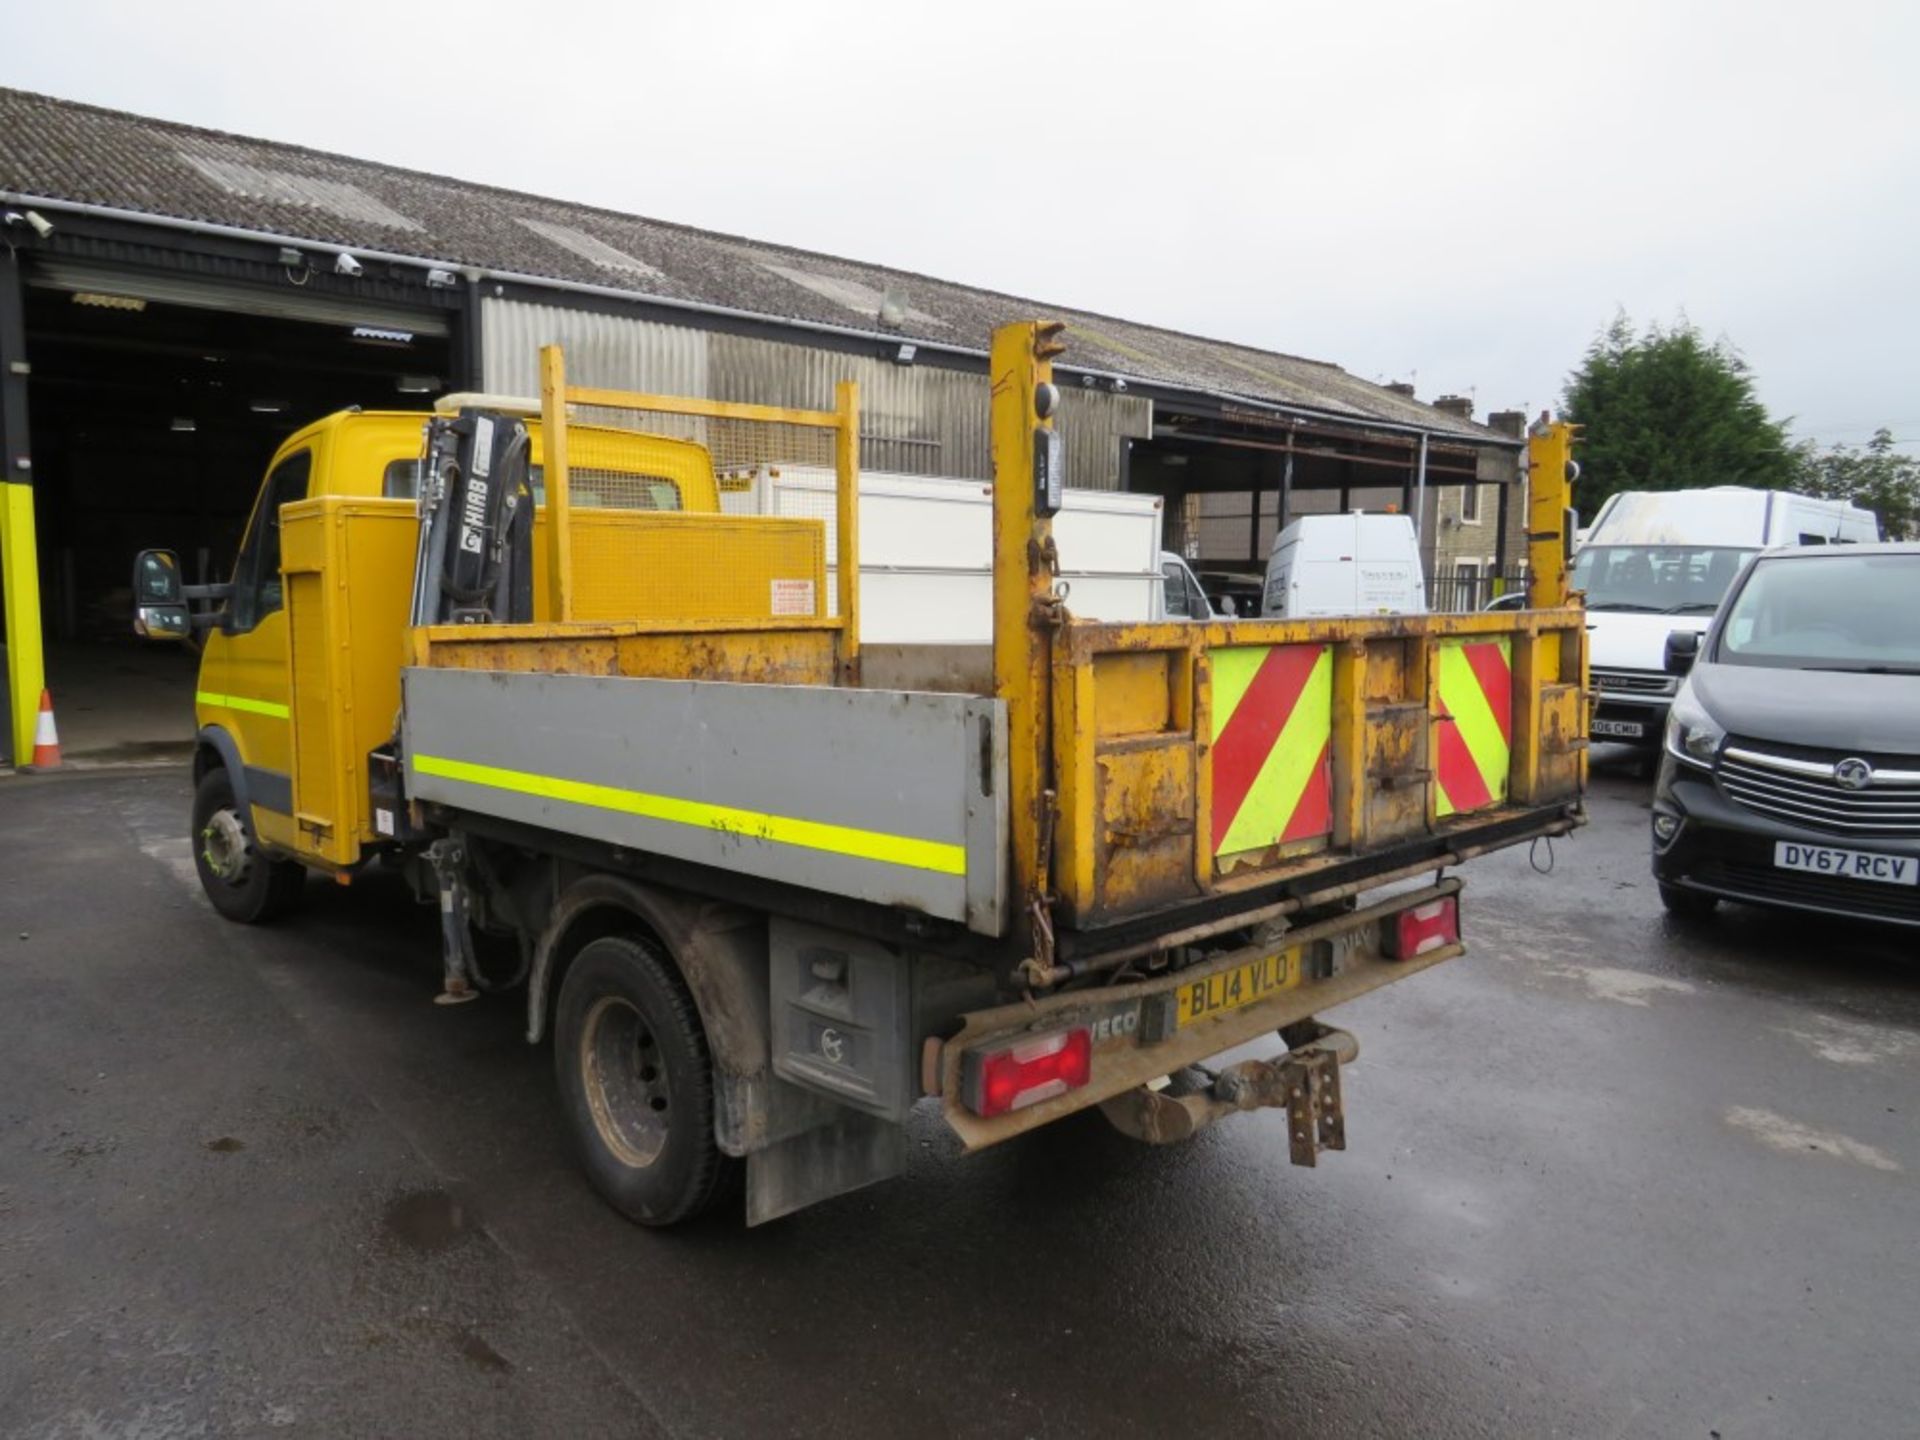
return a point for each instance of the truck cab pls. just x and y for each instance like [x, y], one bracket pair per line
[246, 827]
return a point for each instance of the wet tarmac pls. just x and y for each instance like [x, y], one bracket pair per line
[1609, 1176]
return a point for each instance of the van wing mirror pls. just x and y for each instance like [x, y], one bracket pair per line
[1683, 648]
[159, 597]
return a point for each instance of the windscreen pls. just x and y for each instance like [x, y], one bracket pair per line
[1657, 579]
[1852, 612]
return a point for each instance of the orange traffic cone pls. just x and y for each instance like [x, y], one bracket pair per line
[46, 740]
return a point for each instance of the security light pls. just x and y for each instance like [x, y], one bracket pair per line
[267, 407]
[905, 354]
[417, 384]
[291, 258]
[183, 425]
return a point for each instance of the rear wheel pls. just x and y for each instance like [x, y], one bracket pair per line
[243, 883]
[1687, 904]
[636, 1081]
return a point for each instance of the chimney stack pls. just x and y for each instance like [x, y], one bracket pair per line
[1509, 422]
[1401, 387]
[1460, 405]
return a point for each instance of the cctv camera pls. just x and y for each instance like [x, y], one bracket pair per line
[345, 264]
[42, 226]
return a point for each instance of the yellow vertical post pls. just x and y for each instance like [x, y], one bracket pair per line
[1550, 475]
[553, 426]
[1349, 742]
[1022, 361]
[20, 579]
[846, 499]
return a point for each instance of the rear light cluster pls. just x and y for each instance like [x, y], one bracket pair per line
[1422, 928]
[994, 1082]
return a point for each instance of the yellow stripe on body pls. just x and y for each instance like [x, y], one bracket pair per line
[935, 855]
[246, 706]
[1276, 793]
[1473, 718]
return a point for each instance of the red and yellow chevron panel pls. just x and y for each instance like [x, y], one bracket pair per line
[1272, 733]
[1473, 739]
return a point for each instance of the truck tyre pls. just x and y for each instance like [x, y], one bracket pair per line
[1686, 904]
[636, 1082]
[243, 883]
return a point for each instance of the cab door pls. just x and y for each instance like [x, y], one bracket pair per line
[244, 681]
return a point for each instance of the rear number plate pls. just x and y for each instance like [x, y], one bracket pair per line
[1625, 729]
[1847, 864]
[1239, 987]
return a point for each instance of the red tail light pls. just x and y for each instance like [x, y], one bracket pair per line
[1423, 928]
[993, 1082]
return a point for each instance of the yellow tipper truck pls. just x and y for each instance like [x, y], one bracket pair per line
[771, 888]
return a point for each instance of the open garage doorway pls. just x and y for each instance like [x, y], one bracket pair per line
[154, 409]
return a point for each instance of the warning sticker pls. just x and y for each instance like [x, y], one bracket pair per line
[793, 597]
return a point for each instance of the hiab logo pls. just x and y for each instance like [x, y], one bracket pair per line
[473, 516]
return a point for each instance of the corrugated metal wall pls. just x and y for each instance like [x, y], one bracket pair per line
[915, 420]
[610, 350]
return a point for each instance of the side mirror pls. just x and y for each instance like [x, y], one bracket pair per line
[1683, 648]
[159, 597]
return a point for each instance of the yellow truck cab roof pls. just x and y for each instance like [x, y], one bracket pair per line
[375, 453]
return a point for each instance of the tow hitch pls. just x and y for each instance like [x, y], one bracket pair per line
[1305, 1080]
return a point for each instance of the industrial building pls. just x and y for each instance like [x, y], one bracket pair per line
[174, 301]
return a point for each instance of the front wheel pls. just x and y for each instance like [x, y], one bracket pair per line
[636, 1082]
[1687, 904]
[243, 883]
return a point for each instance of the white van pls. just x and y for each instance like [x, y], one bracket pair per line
[1355, 564]
[1181, 595]
[1658, 561]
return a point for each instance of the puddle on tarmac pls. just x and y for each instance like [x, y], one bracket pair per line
[226, 1145]
[426, 1220]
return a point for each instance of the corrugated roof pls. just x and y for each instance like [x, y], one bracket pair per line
[61, 150]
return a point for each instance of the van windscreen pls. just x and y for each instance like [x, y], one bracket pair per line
[1658, 579]
[1840, 612]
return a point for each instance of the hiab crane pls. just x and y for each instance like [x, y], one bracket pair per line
[770, 888]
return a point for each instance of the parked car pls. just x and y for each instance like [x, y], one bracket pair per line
[1231, 591]
[1791, 772]
[1655, 561]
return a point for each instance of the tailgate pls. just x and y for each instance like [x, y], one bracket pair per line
[1196, 761]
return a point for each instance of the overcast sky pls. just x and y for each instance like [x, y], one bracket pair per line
[1460, 194]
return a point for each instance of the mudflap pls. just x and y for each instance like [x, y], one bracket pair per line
[851, 1150]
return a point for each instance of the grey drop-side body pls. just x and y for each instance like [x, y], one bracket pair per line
[909, 764]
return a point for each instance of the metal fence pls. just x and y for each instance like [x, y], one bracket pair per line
[1471, 587]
